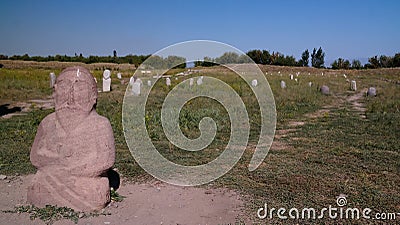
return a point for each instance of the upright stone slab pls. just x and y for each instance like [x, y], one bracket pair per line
[136, 88]
[168, 82]
[119, 76]
[291, 76]
[139, 81]
[191, 82]
[353, 85]
[149, 83]
[52, 79]
[254, 83]
[200, 80]
[310, 84]
[73, 148]
[283, 84]
[131, 81]
[106, 81]
[324, 90]
[371, 91]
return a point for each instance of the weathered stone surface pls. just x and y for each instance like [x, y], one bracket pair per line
[200, 80]
[52, 79]
[254, 83]
[324, 90]
[283, 84]
[106, 81]
[191, 82]
[353, 85]
[73, 148]
[136, 88]
[371, 91]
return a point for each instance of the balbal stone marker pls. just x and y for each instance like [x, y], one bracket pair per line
[283, 84]
[324, 90]
[371, 91]
[73, 148]
[191, 82]
[254, 83]
[353, 85]
[199, 80]
[52, 79]
[106, 80]
[136, 88]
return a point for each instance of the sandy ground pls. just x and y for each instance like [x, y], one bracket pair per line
[147, 203]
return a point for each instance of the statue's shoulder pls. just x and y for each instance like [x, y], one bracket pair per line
[98, 120]
[49, 120]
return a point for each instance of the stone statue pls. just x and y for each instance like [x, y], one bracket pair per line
[73, 148]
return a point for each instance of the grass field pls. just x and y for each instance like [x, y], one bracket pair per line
[324, 145]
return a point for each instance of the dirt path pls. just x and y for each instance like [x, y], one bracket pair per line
[354, 100]
[9, 110]
[147, 203]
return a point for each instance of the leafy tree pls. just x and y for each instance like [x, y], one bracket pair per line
[275, 56]
[228, 58]
[278, 59]
[255, 55]
[356, 64]
[396, 60]
[207, 62]
[317, 58]
[175, 62]
[3, 57]
[93, 59]
[305, 56]
[335, 64]
[243, 58]
[341, 64]
[386, 61]
[373, 63]
[265, 57]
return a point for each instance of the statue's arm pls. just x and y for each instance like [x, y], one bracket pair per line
[101, 156]
[41, 155]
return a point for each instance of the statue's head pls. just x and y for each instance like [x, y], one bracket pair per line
[75, 89]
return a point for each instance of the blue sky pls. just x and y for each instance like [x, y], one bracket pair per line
[348, 29]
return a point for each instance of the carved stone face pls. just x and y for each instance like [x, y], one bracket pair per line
[75, 89]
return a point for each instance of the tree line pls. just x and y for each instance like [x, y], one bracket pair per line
[131, 59]
[266, 58]
[316, 58]
[375, 62]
